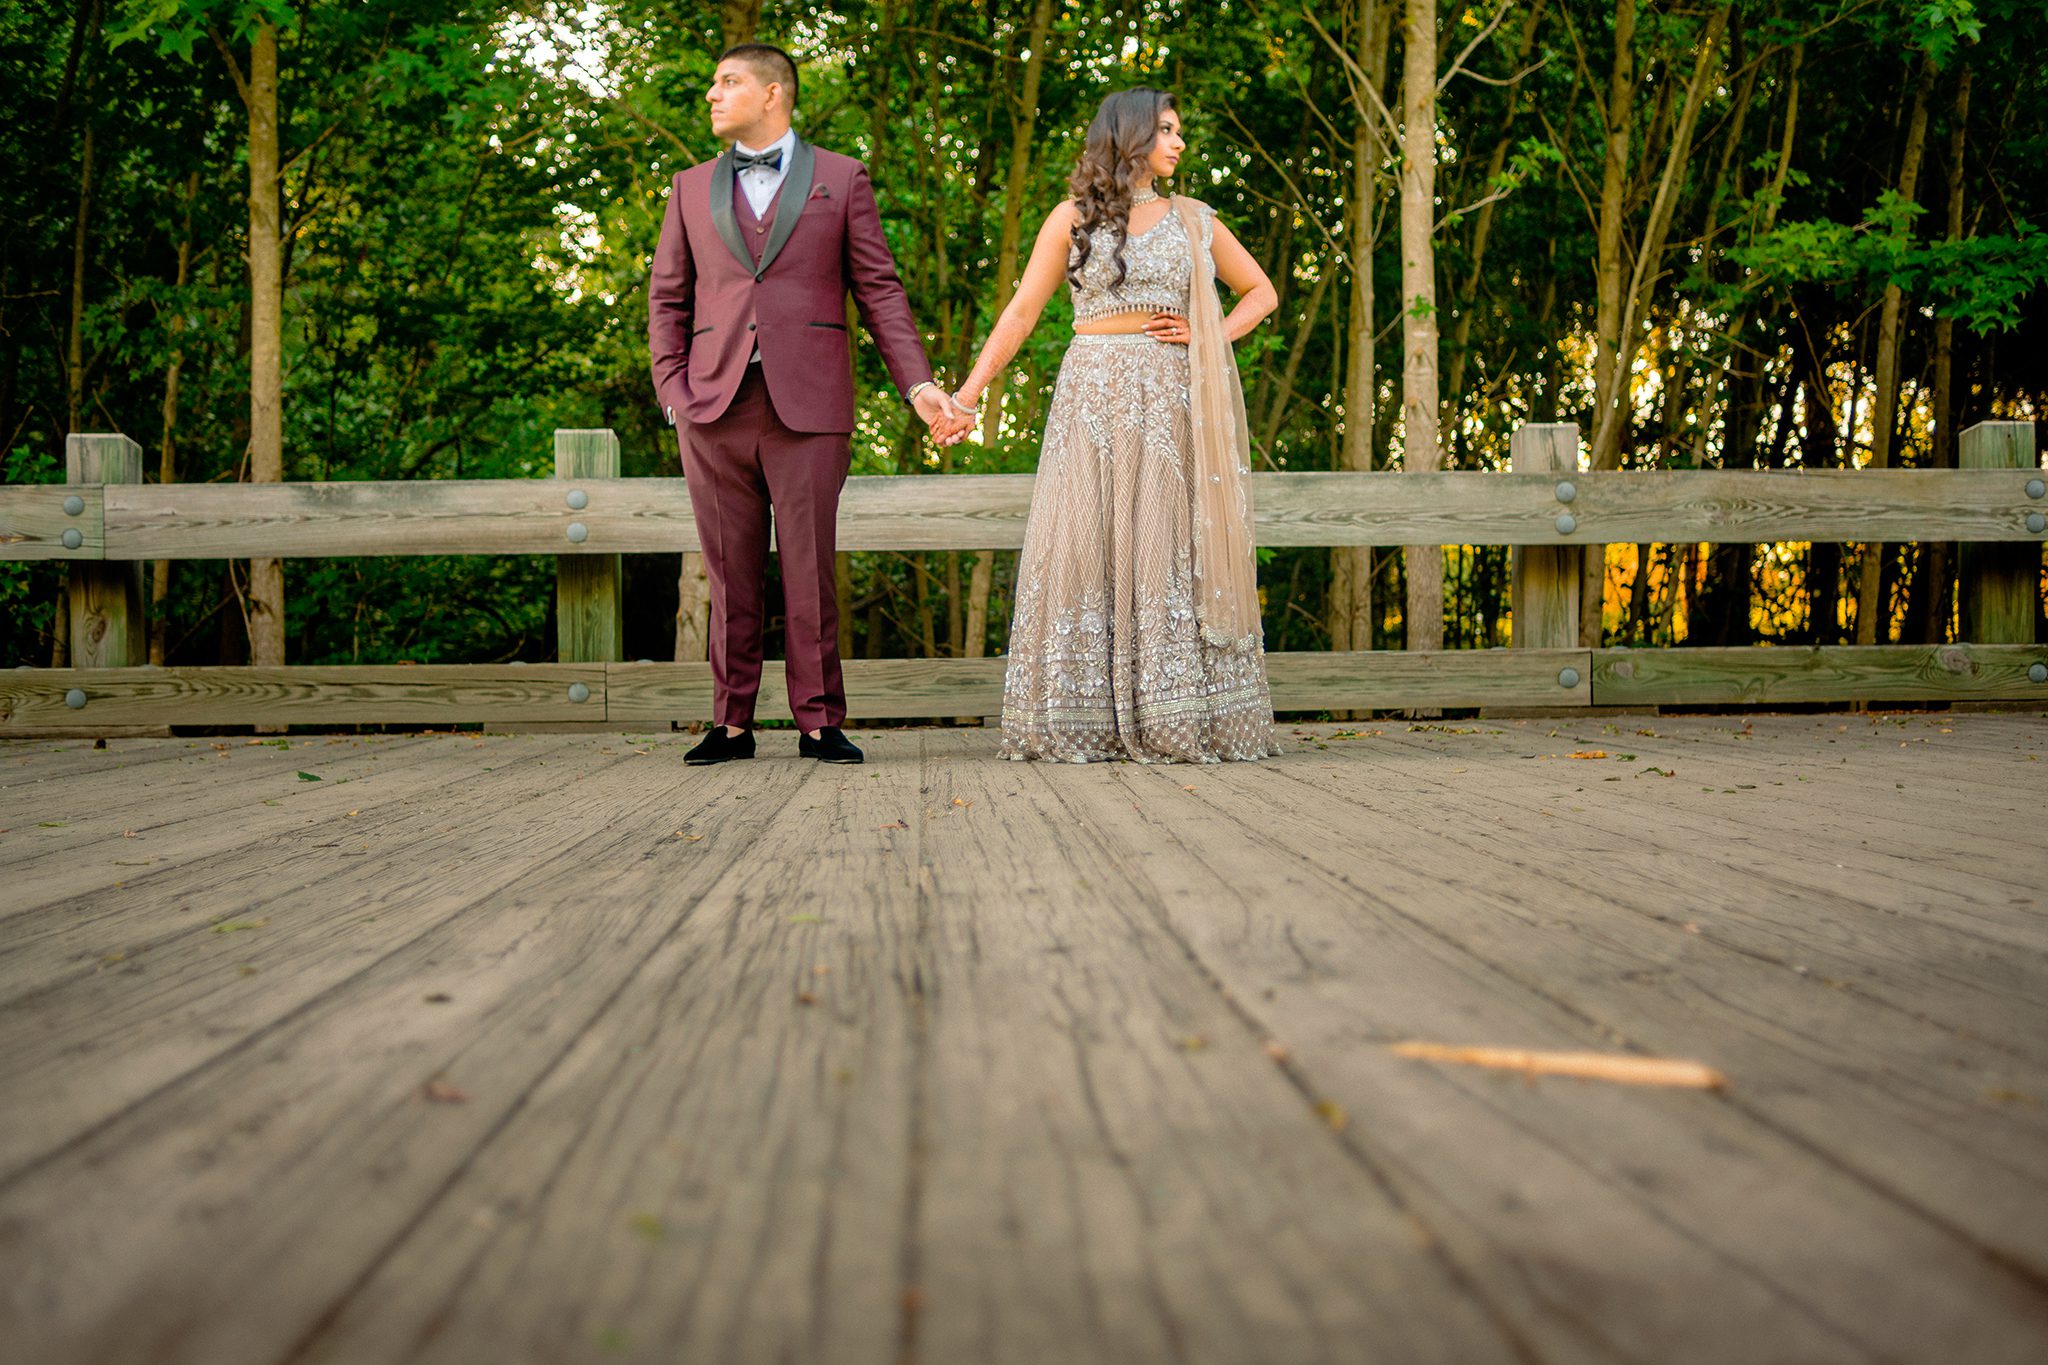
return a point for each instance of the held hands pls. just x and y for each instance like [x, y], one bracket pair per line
[948, 420]
[1168, 327]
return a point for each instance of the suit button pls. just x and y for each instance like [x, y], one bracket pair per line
[750, 327]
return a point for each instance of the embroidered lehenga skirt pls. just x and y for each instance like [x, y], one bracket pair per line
[1106, 657]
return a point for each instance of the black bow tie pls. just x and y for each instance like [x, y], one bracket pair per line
[770, 160]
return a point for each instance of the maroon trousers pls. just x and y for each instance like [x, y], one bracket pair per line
[737, 468]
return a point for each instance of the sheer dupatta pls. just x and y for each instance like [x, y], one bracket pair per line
[1225, 571]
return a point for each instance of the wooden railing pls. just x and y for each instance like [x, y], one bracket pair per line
[105, 522]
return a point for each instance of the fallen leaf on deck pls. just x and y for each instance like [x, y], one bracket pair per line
[130, 834]
[353, 814]
[438, 1091]
[1598, 1066]
[962, 804]
[1589, 753]
[648, 1226]
[309, 777]
[806, 998]
[439, 998]
[235, 926]
[1193, 1042]
[893, 824]
[248, 969]
[1333, 1114]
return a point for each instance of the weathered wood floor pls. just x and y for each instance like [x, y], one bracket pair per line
[544, 1048]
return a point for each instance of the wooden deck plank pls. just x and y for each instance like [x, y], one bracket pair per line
[715, 1164]
[149, 987]
[1841, 929]
[1831, 809]
[221, 811]
[295, 1157]
[1029, 1111]
[1092, 1100]
[1891, 1101]
[320, 853]
[24, 761]
[1357, 952]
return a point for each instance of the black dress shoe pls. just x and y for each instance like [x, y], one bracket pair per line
[830, 746]
[718, 746]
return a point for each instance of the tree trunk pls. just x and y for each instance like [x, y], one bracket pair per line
[1467, 297]
[1421, 452]
[1610, 417]
[74, 360]
[738, 20]
[1609, 384]
[1936, 557]
[1872, 613]
[1351, 607]
[167, 460]
[266, 336]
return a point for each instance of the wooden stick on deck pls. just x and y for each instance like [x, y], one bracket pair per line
[1598, 1066]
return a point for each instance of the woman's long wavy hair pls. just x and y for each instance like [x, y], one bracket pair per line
[1112, 167]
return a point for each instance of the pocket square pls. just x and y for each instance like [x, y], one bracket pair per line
[820, 192]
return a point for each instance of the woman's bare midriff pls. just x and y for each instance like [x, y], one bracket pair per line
[1119, 324]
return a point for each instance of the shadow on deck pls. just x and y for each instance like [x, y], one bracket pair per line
[545, 1048]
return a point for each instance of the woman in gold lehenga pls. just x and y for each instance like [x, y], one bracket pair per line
[1137, 632]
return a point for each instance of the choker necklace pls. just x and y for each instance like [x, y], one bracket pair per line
[1143, 197]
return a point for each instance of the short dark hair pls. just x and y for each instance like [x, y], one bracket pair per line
[770, 63]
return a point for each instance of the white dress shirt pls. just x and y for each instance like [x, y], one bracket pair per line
[759, 183]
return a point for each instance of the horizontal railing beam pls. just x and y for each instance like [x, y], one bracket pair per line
[645, 694]
[987, 511]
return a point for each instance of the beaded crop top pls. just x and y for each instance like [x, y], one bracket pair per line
[1157, 270]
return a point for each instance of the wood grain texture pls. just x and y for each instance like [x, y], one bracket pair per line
[1761, 675]
[987, 511]
[1544, 579]
[33, 522]
[2000, 595]
[947, 1058]
[108, 628]
[656, 693]
[590, 623]
[306, 694]
[332, 1110]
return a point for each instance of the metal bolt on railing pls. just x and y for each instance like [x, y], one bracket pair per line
[1566, 523]
[577, 500]
[1568, 677]
[73, 504]
[578, 533]
[1566, 492]
[579, 692]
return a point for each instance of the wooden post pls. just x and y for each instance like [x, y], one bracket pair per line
[589, 601]
[106, 612]
[2001, 581]
[1545, 579]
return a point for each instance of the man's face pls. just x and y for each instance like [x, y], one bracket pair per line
[738, 98]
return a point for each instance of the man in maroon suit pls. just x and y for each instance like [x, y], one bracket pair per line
[746, 322]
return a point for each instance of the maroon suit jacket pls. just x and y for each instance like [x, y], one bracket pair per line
[709, 303]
